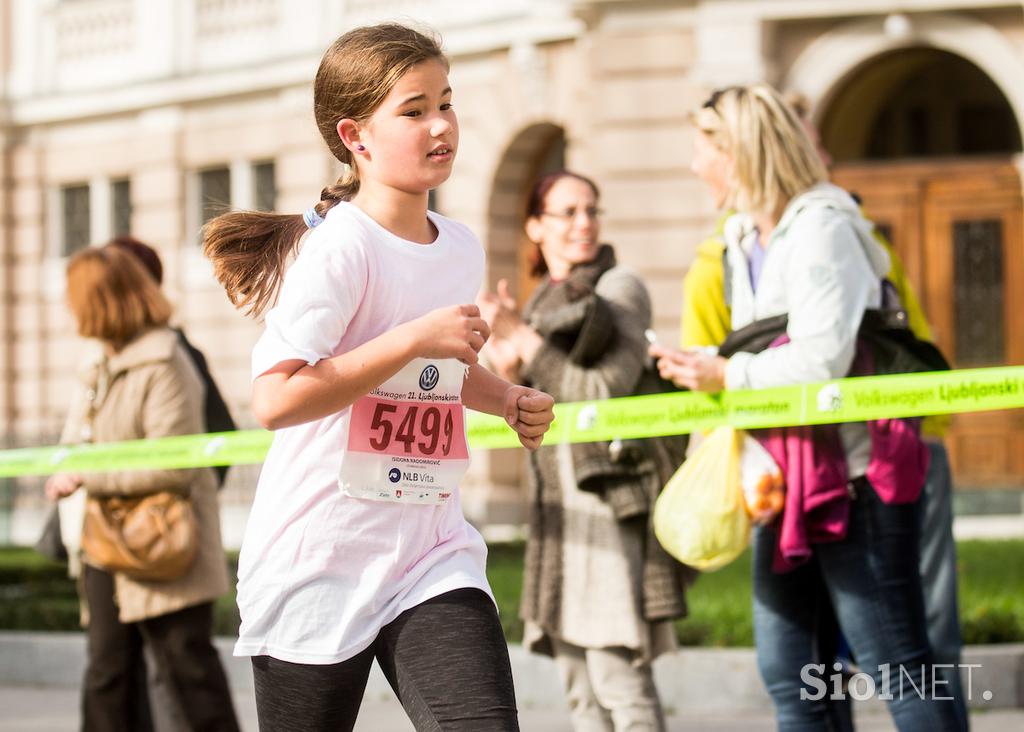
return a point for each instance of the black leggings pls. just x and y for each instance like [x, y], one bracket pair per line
[446, 659]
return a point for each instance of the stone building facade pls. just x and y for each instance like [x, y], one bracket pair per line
[130, 115]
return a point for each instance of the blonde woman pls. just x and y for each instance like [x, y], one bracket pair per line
[800, 248]
[142, 385]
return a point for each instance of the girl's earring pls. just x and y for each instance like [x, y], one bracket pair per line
[361, 148]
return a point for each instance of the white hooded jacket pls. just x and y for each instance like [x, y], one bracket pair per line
[823, 267]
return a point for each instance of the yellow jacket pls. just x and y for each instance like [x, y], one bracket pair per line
[706, 319]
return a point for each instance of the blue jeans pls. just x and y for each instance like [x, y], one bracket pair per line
[938, 571]
[873, 581]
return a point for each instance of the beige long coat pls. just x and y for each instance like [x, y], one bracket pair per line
[150, 388]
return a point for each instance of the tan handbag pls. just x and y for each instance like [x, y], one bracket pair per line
[150, 537]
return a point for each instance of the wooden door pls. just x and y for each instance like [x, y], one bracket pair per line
[958, 228]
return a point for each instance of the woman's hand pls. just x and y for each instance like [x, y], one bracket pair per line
[529, 412]
[513, 342]
[61, 485]
[503, 359]
[689, 369]
[500, 311]
[456, 331]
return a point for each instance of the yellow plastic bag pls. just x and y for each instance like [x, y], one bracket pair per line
[701, 517]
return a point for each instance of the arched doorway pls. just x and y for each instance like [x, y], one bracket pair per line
[534, 151]
[918, 103]
[928, 140]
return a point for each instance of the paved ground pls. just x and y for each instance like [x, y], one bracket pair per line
[38, 674]
[717, 690]
[34, 709]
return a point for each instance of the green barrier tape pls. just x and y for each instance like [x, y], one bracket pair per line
[183, 451]
[842, 400]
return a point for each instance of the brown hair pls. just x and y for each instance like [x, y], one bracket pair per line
[249, 249]
[112, 296]
[535, 207]
[144, 253]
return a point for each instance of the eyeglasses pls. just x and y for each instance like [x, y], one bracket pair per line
[591, 212]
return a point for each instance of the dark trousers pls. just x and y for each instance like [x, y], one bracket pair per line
[939, 573]
[446, 659]
[114, 694]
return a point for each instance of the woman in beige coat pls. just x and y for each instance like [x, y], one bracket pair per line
[142, 385]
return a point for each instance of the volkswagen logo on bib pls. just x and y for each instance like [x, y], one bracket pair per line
[429, 377]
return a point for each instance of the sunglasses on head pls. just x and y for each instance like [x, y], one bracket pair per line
[716, 95]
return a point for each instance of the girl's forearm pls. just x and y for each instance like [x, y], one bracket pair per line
[484, 391]
[293, 392]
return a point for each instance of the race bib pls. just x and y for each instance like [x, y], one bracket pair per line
[407, 437]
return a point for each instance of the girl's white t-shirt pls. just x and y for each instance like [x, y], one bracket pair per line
[357, 516]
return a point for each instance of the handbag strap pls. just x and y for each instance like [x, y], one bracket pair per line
[95, 394]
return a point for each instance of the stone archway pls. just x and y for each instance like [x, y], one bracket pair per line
[538, 149]
[918, 102]
[820, 70]
[534, 150]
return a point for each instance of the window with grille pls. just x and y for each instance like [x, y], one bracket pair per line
[121, 207]
[214, 192]
[74, 218]
[978, 292]
[264, 194]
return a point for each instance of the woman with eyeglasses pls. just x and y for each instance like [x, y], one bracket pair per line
[599, 593]
[800, 257]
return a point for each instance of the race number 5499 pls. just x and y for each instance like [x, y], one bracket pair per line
[407, 428]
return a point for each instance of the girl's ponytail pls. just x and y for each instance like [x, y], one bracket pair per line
[250, 249]
[344, 189]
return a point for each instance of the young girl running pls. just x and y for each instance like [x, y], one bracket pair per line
[356, 546]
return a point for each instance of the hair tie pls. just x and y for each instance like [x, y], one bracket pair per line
[312, 218]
